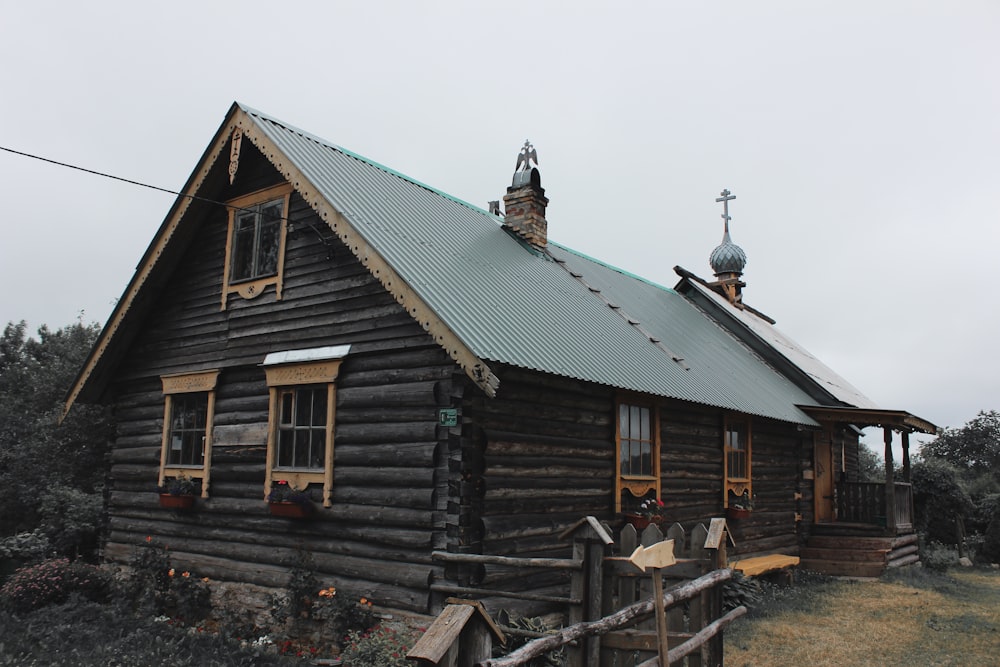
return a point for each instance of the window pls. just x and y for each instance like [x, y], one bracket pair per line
[737, 457]
[638, 448]
[189, 407]
[255, 251]
[301, 417]
[302, 428]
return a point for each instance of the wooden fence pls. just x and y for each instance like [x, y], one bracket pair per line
[611, 604]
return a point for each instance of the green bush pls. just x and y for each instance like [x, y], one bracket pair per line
[379, 647]
[70, 519]
[940, 500]
[52, 582]
[88, 634]
[988, 514]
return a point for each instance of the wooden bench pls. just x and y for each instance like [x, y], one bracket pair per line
[761, 565]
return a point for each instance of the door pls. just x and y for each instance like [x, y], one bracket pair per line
[823, 476]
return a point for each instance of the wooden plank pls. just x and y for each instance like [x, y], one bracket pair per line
[442, 634]
[753, 567]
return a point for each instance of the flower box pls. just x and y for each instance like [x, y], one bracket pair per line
[640, 521]
[736, 513]
[289, 509]
[176, 502]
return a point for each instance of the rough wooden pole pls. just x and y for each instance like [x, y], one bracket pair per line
[890, 483]
[661, 615]
[906, 457]
[627, 616]
[708, 632]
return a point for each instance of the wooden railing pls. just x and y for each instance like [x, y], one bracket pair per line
[864, 502]
[611, 606]
[904, 506]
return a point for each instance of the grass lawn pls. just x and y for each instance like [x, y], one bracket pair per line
[909, 618]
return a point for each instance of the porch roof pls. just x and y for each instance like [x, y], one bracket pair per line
[895, 419]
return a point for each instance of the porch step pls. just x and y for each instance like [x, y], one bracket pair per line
[848, 551]
[850, 543]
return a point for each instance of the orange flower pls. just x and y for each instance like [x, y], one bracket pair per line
[364, 600]
[185, 574]
[170, 572]
[328, 592]
[205, 579]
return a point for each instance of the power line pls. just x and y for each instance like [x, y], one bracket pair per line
[127, 180]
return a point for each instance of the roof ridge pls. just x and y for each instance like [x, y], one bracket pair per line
[357, 156]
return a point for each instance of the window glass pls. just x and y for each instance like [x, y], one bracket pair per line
[302, 428]
[189, 413]
[256, 241]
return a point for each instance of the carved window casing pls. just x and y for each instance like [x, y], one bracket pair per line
[737, 457]
[303, 396]
[255, 247]
[637, 448]
[188, 412]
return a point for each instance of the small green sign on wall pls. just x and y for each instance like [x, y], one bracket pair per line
[448, 417]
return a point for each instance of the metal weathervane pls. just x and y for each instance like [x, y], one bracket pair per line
[526, 155]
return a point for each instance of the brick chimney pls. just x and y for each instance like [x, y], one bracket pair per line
[525, 201]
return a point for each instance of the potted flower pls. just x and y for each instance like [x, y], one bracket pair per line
[178, 493]
[286, 501]
[740, 507]
[650, 511]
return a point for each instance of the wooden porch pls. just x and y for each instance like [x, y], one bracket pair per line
[863, 528]
[873, 531]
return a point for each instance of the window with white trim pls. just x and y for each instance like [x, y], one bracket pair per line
[303, 396]
[189, 409]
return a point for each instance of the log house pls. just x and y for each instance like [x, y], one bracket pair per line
[440, 377]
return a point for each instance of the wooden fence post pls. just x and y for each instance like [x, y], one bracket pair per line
[590, 541]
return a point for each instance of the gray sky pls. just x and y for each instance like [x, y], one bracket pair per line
[860, 139]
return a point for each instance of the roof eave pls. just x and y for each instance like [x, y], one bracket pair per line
[899, 420]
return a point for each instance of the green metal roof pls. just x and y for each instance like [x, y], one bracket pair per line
[557, 312]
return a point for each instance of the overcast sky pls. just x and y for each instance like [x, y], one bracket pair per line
[861, 140]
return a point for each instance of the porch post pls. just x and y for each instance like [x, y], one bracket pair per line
[906, 456]
[890, 483]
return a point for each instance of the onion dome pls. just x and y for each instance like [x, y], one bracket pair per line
[727, 257]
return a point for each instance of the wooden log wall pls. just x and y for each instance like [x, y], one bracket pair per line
[548, 449]
[391, 458]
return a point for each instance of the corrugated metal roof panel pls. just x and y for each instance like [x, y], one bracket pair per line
[510, 304]
[820, 373]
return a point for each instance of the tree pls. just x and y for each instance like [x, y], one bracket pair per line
[975, 447]
[42, 457]
[871, 468]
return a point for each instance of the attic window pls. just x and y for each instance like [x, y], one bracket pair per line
[255, 249]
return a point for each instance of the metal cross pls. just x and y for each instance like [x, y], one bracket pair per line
[726, 196]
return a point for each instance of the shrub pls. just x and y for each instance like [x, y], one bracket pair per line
[988, 511]
[938, 557]
[340, 615]
[70, 519]
[52, 582]
[939, 499]
[380, 647]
